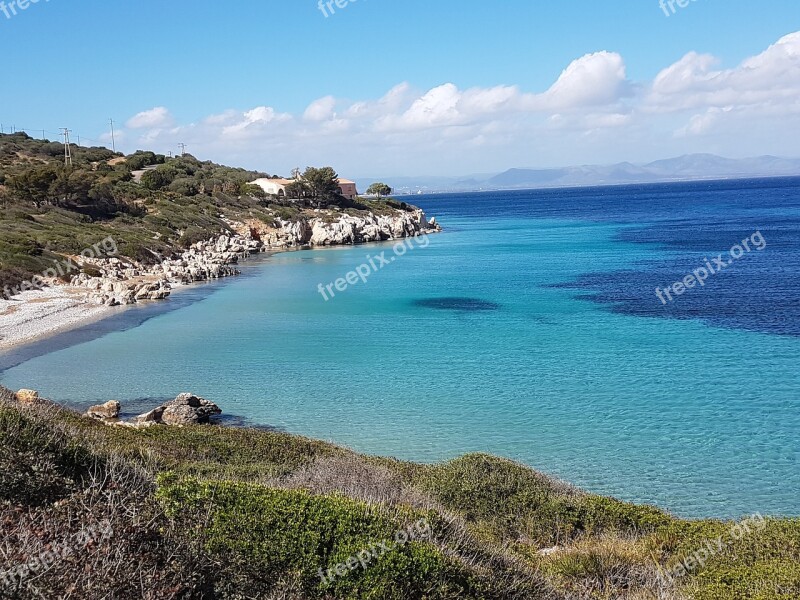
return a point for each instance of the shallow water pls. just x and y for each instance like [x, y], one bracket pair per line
[529, 329]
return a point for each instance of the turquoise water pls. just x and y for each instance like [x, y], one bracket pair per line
[697, 417]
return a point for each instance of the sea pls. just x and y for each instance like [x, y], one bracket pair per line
[535, 327]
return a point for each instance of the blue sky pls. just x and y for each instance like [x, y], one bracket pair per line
[235, 80]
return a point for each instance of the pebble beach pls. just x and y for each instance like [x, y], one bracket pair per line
[40, 313]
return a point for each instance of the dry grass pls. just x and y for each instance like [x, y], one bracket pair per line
[607, 567]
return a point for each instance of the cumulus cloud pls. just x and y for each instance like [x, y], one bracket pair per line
[592, 112]
[253, 122]
[320, 110]
[591, 80]
[150, 119]
[762, 80]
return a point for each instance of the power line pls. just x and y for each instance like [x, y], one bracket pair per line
[67, 149]
[113, 141]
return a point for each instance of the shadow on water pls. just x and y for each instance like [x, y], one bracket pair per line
[458, 304]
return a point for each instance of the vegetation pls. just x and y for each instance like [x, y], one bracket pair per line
[152, 206]
[379, 189]
[212, 512]
[318, 187]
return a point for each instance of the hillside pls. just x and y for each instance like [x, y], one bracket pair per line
[683, 168]
[690, 167]
[213, 512]
[49, 211]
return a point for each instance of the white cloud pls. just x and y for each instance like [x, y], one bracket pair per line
[593, 79]
[591, 113]
[772, 77]
[438, 107]
[321, 110]
[253, 122]
[699, 124]
[150, 119]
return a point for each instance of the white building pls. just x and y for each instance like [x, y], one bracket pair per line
[277, 187]
[273, 187]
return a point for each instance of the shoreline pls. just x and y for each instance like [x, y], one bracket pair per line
[36, 315]
[39, 314]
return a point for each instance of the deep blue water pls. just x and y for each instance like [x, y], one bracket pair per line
[691, 223]
[530, 329]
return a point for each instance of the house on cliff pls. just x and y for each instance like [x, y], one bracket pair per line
[277, 187]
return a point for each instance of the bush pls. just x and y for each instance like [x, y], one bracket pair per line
[11, 278]
[265, 536]
[183, 186]
[193, 235]
[155, 179]
[139, 160]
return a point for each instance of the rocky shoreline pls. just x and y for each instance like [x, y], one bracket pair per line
[185, 409]
[121, 281]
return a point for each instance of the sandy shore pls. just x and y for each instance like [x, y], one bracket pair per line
[41, 313]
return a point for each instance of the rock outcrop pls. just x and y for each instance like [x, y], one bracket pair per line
[105, 412]
[124, 281]
[332, 228]
[127, 282]
[186, 409]
[28, 397]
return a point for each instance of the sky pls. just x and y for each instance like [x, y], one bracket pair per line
[408, 87]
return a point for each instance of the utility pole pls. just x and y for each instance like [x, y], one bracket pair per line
[113, 141]
[67, 149]
[79, 140]
[183, 149]
[43, 135]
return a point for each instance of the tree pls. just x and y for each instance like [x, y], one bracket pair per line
[297, 190]
[323, 184]
[155, 179]
[379, 189]
[34, 185]
[140, 159]
[255, 191]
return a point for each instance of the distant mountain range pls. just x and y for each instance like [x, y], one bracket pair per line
[683, 168]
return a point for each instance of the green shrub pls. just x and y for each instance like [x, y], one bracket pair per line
[193, 235]
[507, 500]
[265, 536]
